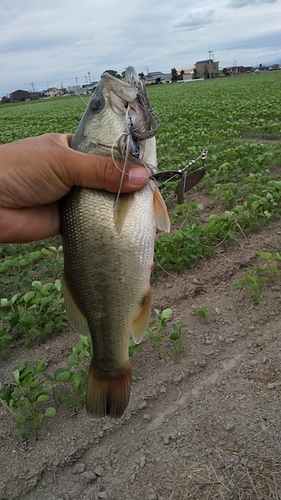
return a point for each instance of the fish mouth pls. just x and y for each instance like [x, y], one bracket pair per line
[120, 88]
[129, 96]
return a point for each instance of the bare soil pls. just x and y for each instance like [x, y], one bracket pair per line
[206, 426]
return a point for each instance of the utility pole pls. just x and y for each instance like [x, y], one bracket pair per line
[76, 78]
[89, 76]
[32, 85]
[211, 55]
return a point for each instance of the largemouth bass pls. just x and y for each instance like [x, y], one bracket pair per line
[108, 240]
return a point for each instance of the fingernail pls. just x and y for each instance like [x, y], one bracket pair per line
[138, 176]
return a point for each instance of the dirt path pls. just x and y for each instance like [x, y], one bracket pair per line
[204, 427]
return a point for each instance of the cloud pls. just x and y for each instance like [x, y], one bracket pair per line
[195, 20]
[237, 4]
[267, 40]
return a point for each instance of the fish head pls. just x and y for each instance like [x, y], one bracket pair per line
[118, 119]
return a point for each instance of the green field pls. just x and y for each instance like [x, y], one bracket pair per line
[237, 119]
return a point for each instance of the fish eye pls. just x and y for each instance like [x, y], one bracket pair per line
[96, 104]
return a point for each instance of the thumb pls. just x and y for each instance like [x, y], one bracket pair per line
[101, 172]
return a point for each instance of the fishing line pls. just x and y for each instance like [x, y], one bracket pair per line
[124, 169]
[118, 138]
[35, 45]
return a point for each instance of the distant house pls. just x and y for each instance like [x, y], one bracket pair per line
[19, 95]
[238, 69]
[187, 73]
[207, 68]
[53, 92]
[157, 76]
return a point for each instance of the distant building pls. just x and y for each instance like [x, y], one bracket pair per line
[19, 95]
[203, 69]
[53, 92]
[187, 73]
[238, 69]
[157, 76]
[89, 87]
[76, 89]
[35, 95]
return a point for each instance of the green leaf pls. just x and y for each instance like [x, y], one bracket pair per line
[27, 369]
[201, 313]
[166, 314]
[37, 284]
[18, 418]
[39, 366]
[14, 298]
[4, 303]
[42, 398]
[14, 319]
[16, 374]
[22, 433]
[62, 376]
[58, 285]
[265, 255]
[148, 335]
[72, 359]
[28, 296]
[28, 320]
[78, 379]
[50, 412]
[49, 377]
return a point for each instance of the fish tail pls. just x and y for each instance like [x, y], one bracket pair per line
[108, 395]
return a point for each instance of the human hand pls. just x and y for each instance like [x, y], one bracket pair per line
[36, 172]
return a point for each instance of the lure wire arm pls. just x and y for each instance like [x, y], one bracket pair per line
[180, 175]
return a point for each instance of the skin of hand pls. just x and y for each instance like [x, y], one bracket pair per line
[36, 172]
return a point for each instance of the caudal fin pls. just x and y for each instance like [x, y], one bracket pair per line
[108, 396]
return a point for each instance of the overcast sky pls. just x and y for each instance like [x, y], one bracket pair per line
[56, 41]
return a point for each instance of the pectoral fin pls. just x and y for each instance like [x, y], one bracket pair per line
[160, 212]
[121, 209]
[140, 324]
[76, 318]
